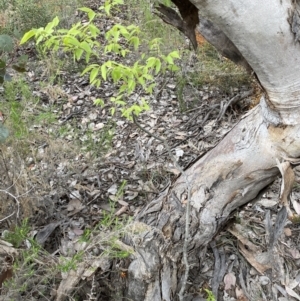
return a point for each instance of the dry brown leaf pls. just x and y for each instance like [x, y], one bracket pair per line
[121, 210]
[113, 189]
[250, 251]
[229, 281]
[70, 281]
[78, 231]
[98, 126]
[180, 137]
[250, 257]
[130, 195]
[240, 294]
[295, 253]
[81, 187]
[288, 179]
[292, 293]
[181, 133]
[267, 203]
[7, 248]
[175, 171]
[296, 206]
[123, 203]
[74, 204]
[103, 263]
[287, 232]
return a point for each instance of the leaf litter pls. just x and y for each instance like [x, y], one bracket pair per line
[256, 257]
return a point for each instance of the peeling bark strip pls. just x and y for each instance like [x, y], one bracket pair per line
[170, 16]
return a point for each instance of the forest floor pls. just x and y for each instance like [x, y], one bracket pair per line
[73, 177]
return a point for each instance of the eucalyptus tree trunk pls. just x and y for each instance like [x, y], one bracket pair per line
[239, 167]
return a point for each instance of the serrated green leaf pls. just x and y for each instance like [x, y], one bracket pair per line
[89, 68]
[91, 14]
[131, 85]
[94, 30]
[121, 102]
[147, 76]
[99, 102]
[97, 82]
[157, 66]
[94, 74]
[86, 46]
[55, 21]
[108, 48]
[135, 41]
[103, 71]
[49, 27]
[107, 10]
[70, 40]
[27, 36]
[116, 74]
[170, 60]
[123, 30]
[151, 61]
[174, 68]
[150, 88]
[74, 31]
[87, 57]
[78, 53]
[174, 54]
[141, 81]
[39, 39]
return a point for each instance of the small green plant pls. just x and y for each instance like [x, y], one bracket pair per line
[8, 60]
[120, 191]
[18, 236]
[68, 264]
[82, 42]
[115, 250]
[29, 275]
[109, 220]
[85, 237]
[99, 143]
[210, 295]
[46, 117]
[16, 95]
